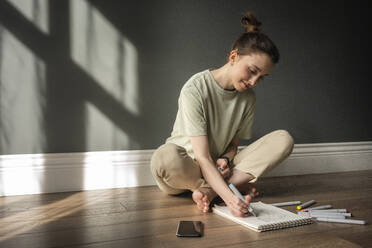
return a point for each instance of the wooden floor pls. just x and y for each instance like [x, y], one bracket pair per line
[145, 217]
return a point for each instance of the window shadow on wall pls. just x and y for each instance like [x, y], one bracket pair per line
[68, 86]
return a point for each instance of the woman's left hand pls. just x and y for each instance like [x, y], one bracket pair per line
[223, 168]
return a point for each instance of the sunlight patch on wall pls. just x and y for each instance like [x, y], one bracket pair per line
[35, 11]
[111, 59]
[105, 54]
[101, 133]
[22, 96]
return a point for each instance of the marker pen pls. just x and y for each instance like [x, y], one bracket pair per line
[281, 204]
[347, 221]
[339, 210]
[320, 207]
[325, 215]
[306, 204]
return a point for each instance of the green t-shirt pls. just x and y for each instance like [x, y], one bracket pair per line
[204, 108]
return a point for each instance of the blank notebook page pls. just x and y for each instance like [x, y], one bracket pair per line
[268, 217]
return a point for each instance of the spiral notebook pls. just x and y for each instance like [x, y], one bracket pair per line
[268, 217]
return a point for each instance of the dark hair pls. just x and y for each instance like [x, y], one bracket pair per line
[253, 40]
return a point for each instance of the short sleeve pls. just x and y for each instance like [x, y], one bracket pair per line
[246, 125]
[191, 109]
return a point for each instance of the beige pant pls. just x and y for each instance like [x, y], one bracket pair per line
[175, 171]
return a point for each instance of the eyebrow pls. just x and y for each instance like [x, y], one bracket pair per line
[258, 68]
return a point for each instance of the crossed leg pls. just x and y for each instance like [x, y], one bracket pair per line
[176, 172]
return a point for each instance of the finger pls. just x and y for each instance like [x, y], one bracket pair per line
[224, 165]
[239, 212]
[248, 199]
[221, 162]
[237, 202]
[236, 213]
[241, 204]
[241, 207]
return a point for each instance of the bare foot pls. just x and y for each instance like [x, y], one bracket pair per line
[248, 189]
[203, 197]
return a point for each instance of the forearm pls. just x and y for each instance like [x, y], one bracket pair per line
[214, 178]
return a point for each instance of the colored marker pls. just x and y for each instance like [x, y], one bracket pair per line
[324, 212]
[281, 204]
[325, 215]
[306, 204]
[339, 210]
[328, 212]
[347, 221]
[320, 207]
[238, 194]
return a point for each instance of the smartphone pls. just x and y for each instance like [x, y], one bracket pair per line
[189, 229]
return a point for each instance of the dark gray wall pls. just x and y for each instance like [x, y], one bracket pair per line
[319, 91]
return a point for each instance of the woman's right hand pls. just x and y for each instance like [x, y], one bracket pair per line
[223, 168]
[237, 207]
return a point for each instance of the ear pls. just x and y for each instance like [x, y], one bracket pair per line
[233, 57]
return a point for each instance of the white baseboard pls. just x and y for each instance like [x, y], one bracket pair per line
[46, 173]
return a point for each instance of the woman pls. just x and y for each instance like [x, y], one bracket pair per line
[215, 110]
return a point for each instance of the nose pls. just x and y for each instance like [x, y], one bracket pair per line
[253, 82]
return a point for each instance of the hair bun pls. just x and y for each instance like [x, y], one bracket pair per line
[250, 23]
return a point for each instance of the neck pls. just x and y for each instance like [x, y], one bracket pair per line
[221, 75]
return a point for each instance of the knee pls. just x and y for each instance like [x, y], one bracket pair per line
[167, 159]
[285, 140]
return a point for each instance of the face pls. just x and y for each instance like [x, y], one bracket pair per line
[248, 70]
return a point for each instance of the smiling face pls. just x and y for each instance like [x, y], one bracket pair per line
[246, 71]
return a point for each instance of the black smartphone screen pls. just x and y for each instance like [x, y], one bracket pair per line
[189, 229]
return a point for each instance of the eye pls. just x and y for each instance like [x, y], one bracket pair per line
[252, 71]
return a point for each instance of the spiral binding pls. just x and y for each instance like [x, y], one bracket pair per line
[286, 224]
